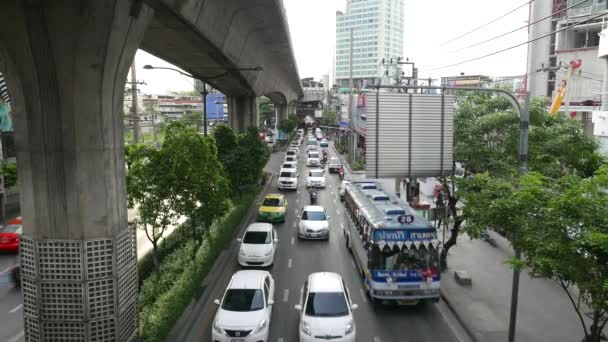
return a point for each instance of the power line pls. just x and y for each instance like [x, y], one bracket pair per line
[521, 44]
[522, 27]
[486, 24]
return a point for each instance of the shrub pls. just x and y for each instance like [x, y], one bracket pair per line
[162, 301]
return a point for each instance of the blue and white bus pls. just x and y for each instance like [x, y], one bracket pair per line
[396, 250]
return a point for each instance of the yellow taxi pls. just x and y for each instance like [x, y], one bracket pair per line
[273, 208]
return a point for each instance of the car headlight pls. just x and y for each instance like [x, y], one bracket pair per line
[268, 252]
[350, 326]
[305, 327]
[241, 252]
[260, 327]
[217, 328]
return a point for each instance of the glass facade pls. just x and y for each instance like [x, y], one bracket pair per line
[377, 29]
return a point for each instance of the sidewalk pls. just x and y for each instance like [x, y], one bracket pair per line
[545, 313]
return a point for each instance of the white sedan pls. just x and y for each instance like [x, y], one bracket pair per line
[316, 178]
[326, 309]
[245, 310]
[258, 245]
[313, 223]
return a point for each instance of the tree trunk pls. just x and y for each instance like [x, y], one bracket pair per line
[193, 227]
[595, 330]
[155, 256]
[443, 259]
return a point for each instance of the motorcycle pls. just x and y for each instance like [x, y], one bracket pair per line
[341, 174]
[313, 197]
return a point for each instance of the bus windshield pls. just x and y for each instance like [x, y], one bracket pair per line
[403, 260]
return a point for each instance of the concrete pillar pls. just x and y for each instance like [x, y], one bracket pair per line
[243, 112]
[538, 51]
[281, 111]
[67, 63]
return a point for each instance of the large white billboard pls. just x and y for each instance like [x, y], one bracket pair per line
[409, 135]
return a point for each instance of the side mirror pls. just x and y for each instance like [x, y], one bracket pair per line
[239, 240]
[276, 240]
[354, 307]
[298, 307]
[270, 302]
[216, 302]
[328, 217]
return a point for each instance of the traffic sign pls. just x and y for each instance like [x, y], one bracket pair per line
[344, 123]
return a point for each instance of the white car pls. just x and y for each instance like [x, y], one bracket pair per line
[289, 165]
[292, 152]
[258, 245]
[290, 159]
[326, 310]
[313, 158]
[245, 310]
[288, 179]
[313, 223]
[312, 145]
[316, 178]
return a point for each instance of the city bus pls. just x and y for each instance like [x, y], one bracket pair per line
[396, 250]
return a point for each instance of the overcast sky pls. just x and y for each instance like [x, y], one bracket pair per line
[428, 25]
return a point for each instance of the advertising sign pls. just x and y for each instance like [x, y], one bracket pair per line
[318, 113]
[409, 135]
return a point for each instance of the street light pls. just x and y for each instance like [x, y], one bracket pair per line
[204, 93]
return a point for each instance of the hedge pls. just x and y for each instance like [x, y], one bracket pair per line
[164, 297]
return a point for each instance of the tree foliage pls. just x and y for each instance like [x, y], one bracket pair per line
[242, 156]
[266, 110]
[330, 118]
[290, 124]
[9, 172]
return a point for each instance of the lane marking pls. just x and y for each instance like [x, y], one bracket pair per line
[280, 339]
[18, 307]
[17, 337]
[293, 241]
[285, 295]
[377, 339]
[342, 225]
[334, 201]
[338, 211]
[363, 296]
[289, 262]
[353, 262]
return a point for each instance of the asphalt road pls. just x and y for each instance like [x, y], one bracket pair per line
[295, 259]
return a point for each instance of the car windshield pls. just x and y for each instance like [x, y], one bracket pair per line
[326, 304]
[11, 228]
[403, 260]
[272, 202]
[243, 300]
[256, 238]
[313, 155]
[288, 166]
[313, 216]
[287, 174]
[312, 142]
[291, 153]
[316, 174]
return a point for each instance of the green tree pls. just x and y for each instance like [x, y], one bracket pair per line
[561, 228]
[193, 119]
[150, 186]
[227, 152]
[203, 191]
[290, 124]
[9, 172]
[252, 155]
[330, 118]
[266, 110]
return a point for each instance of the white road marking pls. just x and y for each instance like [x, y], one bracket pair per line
[289, 263]
[353, 262]
[334, 201]
[363, 296]
[377, 339]
[280, 339]
[18, 307]
[342, 225]
[17, 337]
[293, 241]
[338, 211]
[286, 295]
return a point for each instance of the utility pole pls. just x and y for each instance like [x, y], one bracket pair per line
[204, 93]
[350, 99]
[135, 117]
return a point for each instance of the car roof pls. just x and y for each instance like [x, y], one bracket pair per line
[313, 208]
[273, 196]
[286, 169]
[247, 279]
[325, 282]
[259, 227]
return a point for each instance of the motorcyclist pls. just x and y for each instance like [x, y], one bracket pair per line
[341, 172]
[313, 196]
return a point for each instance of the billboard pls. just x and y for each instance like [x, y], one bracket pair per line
[409, 135]
[318, 113]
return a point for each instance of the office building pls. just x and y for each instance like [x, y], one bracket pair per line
[377, 30]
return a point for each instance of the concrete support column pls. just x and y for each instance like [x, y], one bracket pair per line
[243, 112]
[281, 111]
[67, 63]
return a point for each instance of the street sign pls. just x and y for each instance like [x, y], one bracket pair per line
[344, 123]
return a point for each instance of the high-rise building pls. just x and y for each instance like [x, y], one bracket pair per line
[377, 30]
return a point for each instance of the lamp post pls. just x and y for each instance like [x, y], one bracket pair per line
[204, 93]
